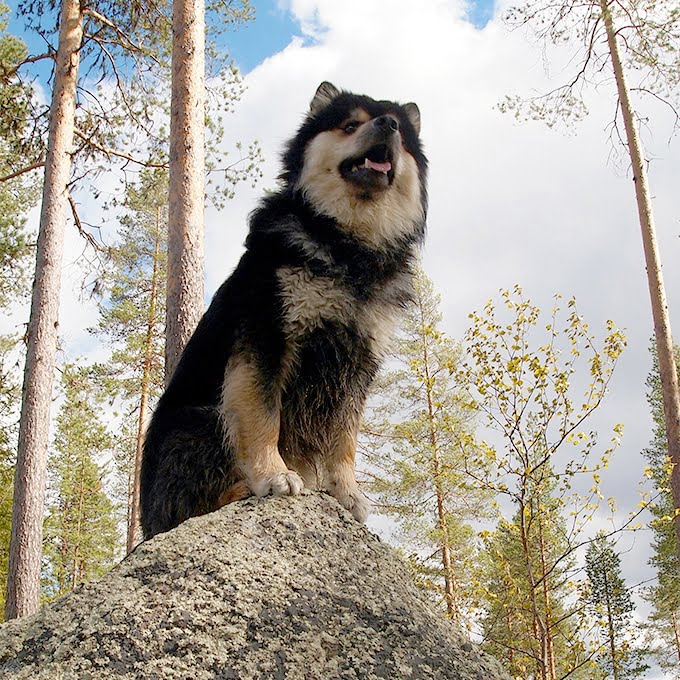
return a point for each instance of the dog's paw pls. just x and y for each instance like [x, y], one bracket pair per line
[354, 501]
[286, 483]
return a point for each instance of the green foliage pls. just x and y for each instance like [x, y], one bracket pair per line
[9, 396]
[509, 626]
[664, 623]
[17, 149]
[132, 318]
[419, 440]
[612, 607]
[538, 380]
[81, 536]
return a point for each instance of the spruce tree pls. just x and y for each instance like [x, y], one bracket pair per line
[418, 438]
[81, 534]
[611, 605]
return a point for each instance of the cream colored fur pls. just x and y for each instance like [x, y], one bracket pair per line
[384, 217]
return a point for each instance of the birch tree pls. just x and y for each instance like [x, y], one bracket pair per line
[537, 381]
[638, 39]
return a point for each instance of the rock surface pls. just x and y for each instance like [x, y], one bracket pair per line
[289, 588]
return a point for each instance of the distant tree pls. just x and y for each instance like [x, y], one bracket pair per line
[664, 621]
[133, 321]
[611, 604]
[9, 417]
[80, 527]
[416, 442]
[537, 380]
[638, 38]
[509, 626]
[18, 148]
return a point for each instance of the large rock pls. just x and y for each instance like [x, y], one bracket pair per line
[279, 588]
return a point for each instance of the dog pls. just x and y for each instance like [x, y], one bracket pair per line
[268, 395]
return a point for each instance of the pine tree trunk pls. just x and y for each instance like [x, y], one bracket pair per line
[185, 221]
[445, 546]
[662, 327]
[23, 584]
[133, 520]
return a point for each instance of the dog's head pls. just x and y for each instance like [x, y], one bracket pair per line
[360, 161]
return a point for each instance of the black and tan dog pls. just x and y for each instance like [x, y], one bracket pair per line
[269, 392]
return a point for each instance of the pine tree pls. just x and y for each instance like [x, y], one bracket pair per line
[80, 527]
[417, 444]
[132, 319]
[611, 605]
[664, 621]
[515, 613]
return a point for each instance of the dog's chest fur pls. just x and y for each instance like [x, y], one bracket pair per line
[313, 302]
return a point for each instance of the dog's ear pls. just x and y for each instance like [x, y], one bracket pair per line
[413, 113]
[325, 94]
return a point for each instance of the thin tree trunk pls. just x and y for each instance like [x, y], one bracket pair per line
[662, 326]
[23, 583]
[540, 627]
[133, 520]
[185, 221]
[449, 576]
[676, 633]
[610, 627]
[550, 643]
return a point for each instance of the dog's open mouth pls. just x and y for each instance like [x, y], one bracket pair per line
[373, 170]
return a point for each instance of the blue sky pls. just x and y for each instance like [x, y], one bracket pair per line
[249, 44]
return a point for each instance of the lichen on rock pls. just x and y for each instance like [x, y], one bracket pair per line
[289, 588]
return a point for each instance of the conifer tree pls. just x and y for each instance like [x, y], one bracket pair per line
[132, 319]
[664, 622]
[509, 626]
[80, 527]
[611, 605]
[417, 440]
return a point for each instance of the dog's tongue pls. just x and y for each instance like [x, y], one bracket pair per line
[378, 167]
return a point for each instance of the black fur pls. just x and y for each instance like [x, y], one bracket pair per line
[187, 465]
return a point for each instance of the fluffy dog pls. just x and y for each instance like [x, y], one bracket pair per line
[269, 392]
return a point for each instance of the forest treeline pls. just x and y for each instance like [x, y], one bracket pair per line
[479, 451]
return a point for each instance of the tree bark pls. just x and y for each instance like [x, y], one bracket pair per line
[23, 585]
[185, 224]
[662, 326]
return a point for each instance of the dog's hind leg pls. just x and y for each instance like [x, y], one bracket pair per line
[251, 420]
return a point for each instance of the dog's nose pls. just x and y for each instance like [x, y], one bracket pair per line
[387, 122]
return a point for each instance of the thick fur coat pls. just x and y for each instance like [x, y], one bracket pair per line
[269, 392]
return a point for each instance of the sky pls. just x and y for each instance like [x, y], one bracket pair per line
[552, 210]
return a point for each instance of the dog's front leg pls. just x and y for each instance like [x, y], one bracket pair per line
[341, 474]
[251, 419]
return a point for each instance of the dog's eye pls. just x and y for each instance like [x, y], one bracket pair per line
[350, 127]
